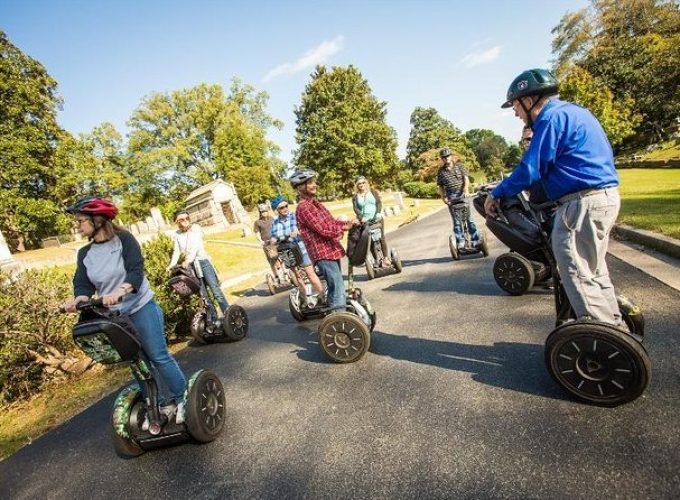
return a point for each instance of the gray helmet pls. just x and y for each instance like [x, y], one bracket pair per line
[299, 177]
[531, 82]
[444, 152]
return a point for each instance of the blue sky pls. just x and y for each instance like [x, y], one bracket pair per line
[455, 56]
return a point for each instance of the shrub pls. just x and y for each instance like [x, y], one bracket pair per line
[35, 339]
[418, 189]
[177, 311]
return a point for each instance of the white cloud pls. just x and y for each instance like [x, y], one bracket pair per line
[478, 57]
[317, 55]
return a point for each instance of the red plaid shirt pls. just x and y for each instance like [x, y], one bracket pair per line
[320, 231]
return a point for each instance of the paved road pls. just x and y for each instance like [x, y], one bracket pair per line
[452, 401]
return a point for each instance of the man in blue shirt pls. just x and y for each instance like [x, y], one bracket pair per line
[571, 158]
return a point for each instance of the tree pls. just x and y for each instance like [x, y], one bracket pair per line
[29, 134]
[633, 48]
[488, 148]
[430, 131]
[186, 138]
[341, 131]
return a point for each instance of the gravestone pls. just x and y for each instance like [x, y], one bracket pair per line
[6, 258]
[151, 223]
[399, 199]
[157, 216]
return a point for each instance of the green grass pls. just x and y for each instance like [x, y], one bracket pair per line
[650, 199]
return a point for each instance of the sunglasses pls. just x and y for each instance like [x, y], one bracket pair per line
[182, 219]
[281, 207]
[526, 140]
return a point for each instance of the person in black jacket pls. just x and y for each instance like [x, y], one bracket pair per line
[368, 208]
[112, 266]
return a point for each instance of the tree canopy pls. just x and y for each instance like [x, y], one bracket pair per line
[341, 131]
[631, 49]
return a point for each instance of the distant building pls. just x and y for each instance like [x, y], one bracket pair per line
[216, 204]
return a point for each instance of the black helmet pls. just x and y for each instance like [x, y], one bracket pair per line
[299, 177]
[444, 152]
[531, 82]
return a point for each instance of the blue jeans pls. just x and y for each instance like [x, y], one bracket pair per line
[213, 282]
[149, 323]
[337, 300]
[458, 222]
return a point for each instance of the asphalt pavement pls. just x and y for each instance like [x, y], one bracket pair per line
[452, 401]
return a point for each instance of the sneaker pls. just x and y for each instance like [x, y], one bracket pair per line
[312, 300]
[180, 415]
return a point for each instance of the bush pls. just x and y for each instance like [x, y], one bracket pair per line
[35, 339]
[418, 189]
[177, 311]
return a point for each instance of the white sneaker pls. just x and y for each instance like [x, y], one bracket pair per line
[180, 415]
[312, 300]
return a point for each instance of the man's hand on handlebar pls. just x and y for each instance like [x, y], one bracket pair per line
[491, 206]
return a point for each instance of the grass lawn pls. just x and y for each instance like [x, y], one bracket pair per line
[650, 199]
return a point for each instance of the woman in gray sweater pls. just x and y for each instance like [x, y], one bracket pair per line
[112, 266]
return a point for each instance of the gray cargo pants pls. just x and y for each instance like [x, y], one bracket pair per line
[580, 238]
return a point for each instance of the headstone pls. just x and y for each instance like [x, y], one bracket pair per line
[143, 227]
[157, 216]
[246, 231]
[151, 222]
[399, 199]
[386, 212]
[396, 209]
[5, 255]
[134, 229]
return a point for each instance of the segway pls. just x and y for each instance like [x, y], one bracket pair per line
[595, 362]
[137, 422]
[343, 336]
[370, 238]
[461, 210]
[280, 280]
[206, 326]
[525, 265]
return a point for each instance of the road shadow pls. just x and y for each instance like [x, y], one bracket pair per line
[506, 365]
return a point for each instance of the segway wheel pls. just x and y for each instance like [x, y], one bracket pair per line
[271, 285]
[205, 407]
[513, 273]
[370, 270]
[297, 315]
[396, 260]
[453, 248]
[235, 323]
[197, 328]
[597, 363]
[344, 337]
[122, 418]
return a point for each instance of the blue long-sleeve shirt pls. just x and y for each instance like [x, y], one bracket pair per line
[569, 152]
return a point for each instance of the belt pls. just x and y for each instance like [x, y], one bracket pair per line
[585, 193]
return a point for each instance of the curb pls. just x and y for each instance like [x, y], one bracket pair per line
[658, 242]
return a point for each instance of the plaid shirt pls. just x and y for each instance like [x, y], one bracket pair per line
[320, 231]
[283, 226]
[452, 179]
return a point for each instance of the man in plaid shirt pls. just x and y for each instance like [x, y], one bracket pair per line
[321, 233]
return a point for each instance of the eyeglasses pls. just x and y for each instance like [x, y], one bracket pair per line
[281, 207]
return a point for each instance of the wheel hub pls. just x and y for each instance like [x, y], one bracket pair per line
[342, 340]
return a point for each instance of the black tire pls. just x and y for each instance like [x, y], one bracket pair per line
[197, 328]
[343, 337]
[597, 363]
[370, 270]
[297, 315]
[271, 285]
[632, 316]
[483, 244]
[125, 446]
[453, 248]
[396, 260]
[235, 323]
[205, 408]
[513, 273]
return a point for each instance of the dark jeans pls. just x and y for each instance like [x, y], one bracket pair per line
[213, 282]
[337, 300]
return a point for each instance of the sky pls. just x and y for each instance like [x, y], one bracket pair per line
[456, 56]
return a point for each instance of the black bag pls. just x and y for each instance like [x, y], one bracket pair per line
[358, 241]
